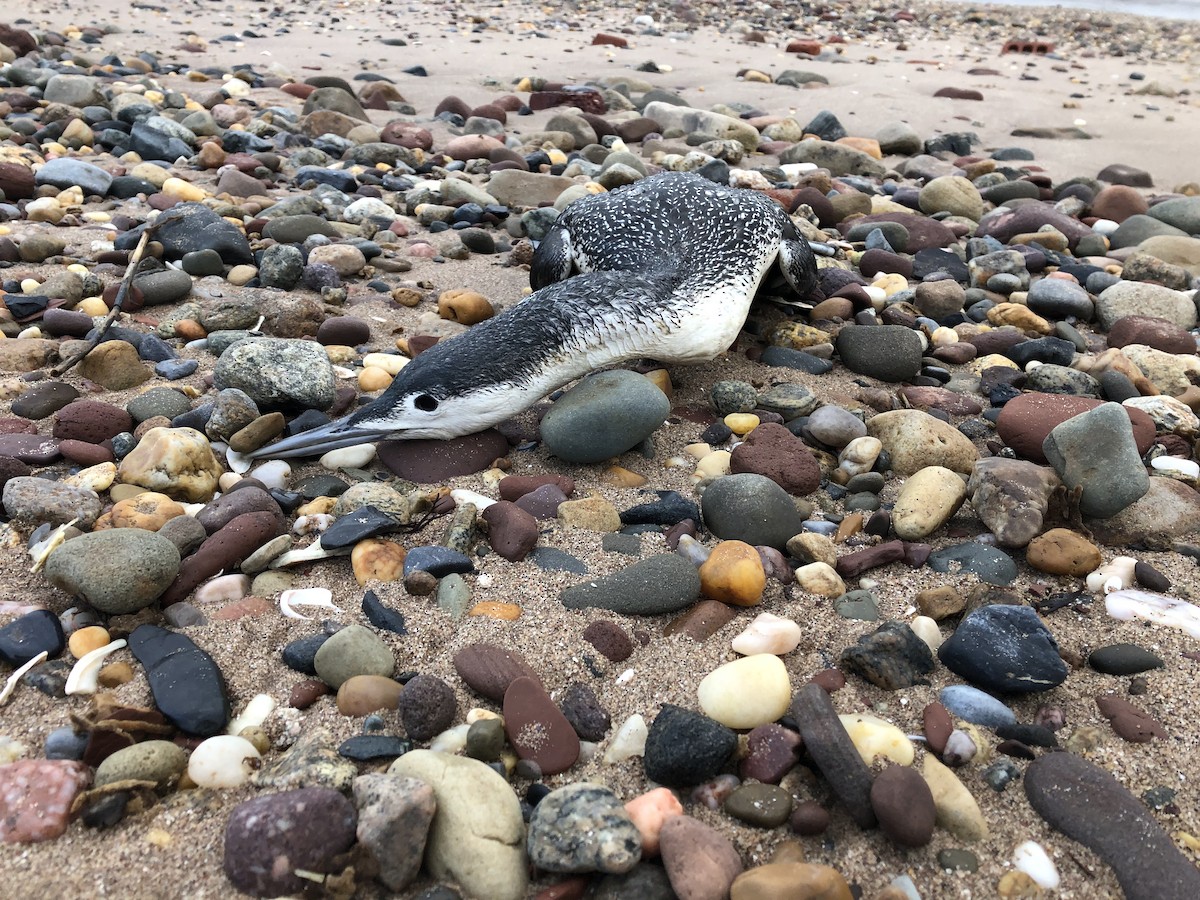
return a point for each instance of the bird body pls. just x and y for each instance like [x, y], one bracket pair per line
[665, 268]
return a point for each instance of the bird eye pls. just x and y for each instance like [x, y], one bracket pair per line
[425, 403]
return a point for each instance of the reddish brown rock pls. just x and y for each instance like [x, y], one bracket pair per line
[609, 639]
[771, 751]
[589, 101]
[432, 461]
[1153, 332]
[537, 729]
[470, 146]
[775, 452]
[701, 620]
[805, 48]
[1028, 218]
[15, 425]
[16, 181]
[84, 453]
[937, 725]
[29, 448]
[1026, 420]
[953, 402]
[405, 134]
[91, 421]
[904, 806]
[611, 40]
[512, 531]
[307, 692]
[1130, 722]
[489, 670]
[922, 232]
[542, 503]
[957, 93]
[700, 861]
[1118, 202]
[427, 707]
[223, 550]
[513, 487]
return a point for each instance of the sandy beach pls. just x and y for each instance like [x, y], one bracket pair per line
[1115, 90]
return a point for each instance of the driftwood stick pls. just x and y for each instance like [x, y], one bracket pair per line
[135, 262]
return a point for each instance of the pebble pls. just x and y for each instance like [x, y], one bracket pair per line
[477, 837]
[1123, 659]
[652, 586]
[751, 508]
[928, 499]
[354, 650]
[1088, 805]
[118, 572]
[827, 742]
[267, 838]
[221, 761]
[750, 691]
[603, 416]
[760, 805]
[185, 682]
[685, 748]
[904, 805]
[976, 706]
[701, 863]
[583, 827]
[360, 695]
[874, 737]
[427, 707]
[957, 811]
[1004, 648]
[38, 794]
[768, 633]
[733, 573]
[1109, 472]
[22, 639]
[394, 815]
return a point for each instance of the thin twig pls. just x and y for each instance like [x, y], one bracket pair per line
[135, 261]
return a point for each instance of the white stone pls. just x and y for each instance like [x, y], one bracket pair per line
[1032, 859]
[223, 589]
[1176, 467]
[224, 761]
[629, 740]
[873, 737]
[354, 457]
[313, 523]
[768, 633]
[274, 473]
[476, 499]
[748, 692]
[293, 597]
[368, 208]
[452, 740]
[692, 550]
[713, 465]
[928, 499]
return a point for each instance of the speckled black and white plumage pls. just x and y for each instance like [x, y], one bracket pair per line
[665, 268]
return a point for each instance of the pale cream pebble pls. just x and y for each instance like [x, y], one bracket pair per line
[748, 692]
[373, 378]
[821, 579]
[628, 741]
[768, 633]
[692, 550]
[356, 457]
[30, 333]
[927, 630]
[698, 450]
[859, 455]
[1176, 467]
[649, 811]
[452, 740]
[391, 363]
[274, 473]
[223, 589]
[223, 761]
[928, 500]
[183, 191]
[957, 811]
[713, 465]
[316, 523]
[93, 306]
[227, 480]
[476, 499]
[943, 336]
[478, 714]
[1114, 575]
[874, 738]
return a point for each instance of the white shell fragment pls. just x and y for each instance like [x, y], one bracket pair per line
[476, 499]
[311, 553]
[630, 740]
[11, 684]
[223, 589]
[41, 551]
[224, 761]
[1176, 467]
[322, 597]
[1032, 859]
[238, 462]
[1113, 576]
[85, 674]
[255, 713]
[768, 633]
[1158, 608]
[314, 523]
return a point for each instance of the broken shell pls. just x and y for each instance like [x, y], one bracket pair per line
[238, 462]
[1113, 576]
[84, 677]
[692, 550]
[41, 551]
[1158, 608]
[462, 496]
[255, 713]
[11, 684]
[321, 597]
[311, 553]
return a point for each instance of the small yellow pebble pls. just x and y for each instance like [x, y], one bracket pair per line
[617, 476]
[240, 275]
[733, 573]
[156, 837]
[661, 380]
[741, 423]
[495, 609]
[178, 189]
[465, 307]
[376, 560]
[93, 306]
[85, 640]
[373, 378]
[713, 465]
[317, 507]
[30, 285]
[115, 674]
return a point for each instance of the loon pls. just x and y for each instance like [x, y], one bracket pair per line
[665, 268]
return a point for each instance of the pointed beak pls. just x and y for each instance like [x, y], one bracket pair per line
[317, 441]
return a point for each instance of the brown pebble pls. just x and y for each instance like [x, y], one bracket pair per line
[1130, 722]
[937, 726]
[829, 680]
[609, 639]
[701, 620]
[489, 670]
[904, 806]
[537, 729]
[115, 674]
[700, 861]
[513, 487]
[361, 695]
[247, 606]
[306, 693]
[809, 818]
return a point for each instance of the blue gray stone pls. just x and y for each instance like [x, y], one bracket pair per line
[603, 416]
